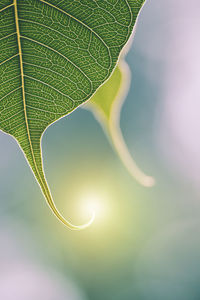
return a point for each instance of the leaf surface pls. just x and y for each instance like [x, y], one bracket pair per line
[54, 55]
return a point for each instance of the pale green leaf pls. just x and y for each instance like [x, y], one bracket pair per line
[106, 106]
[54, 55]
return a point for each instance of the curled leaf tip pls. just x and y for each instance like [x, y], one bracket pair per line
[67, 223]
[77, 227]
[149, 181]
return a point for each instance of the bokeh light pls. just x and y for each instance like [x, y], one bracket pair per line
[144, 243]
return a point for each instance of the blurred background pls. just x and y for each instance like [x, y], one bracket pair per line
[145, 242]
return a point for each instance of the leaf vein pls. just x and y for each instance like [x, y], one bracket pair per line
[10, 93]
[85, 25]
[3, 62]
[57, 52]
[6, 7]
[50, 86]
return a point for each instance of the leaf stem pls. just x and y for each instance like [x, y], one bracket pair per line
[116, 134]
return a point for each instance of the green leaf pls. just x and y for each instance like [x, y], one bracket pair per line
[106, 106]
[53, 56]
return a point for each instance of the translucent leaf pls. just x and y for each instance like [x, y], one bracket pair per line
[106, 106]
[54, 55]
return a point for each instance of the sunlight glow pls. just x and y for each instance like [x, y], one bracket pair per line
[95, 203]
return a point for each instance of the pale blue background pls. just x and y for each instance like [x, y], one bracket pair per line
[149, 247]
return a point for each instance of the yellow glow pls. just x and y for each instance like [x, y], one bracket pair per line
[95, 203]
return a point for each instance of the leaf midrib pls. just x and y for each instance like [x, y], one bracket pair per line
[23, 93]
[19, 37]
[22, 71]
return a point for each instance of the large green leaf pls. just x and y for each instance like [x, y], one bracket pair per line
[54, 55]
[106, 106]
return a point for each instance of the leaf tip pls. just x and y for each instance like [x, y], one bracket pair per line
[148, 181]
[67, 223]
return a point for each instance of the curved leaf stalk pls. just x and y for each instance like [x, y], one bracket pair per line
[116, 133]
[106, 106]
